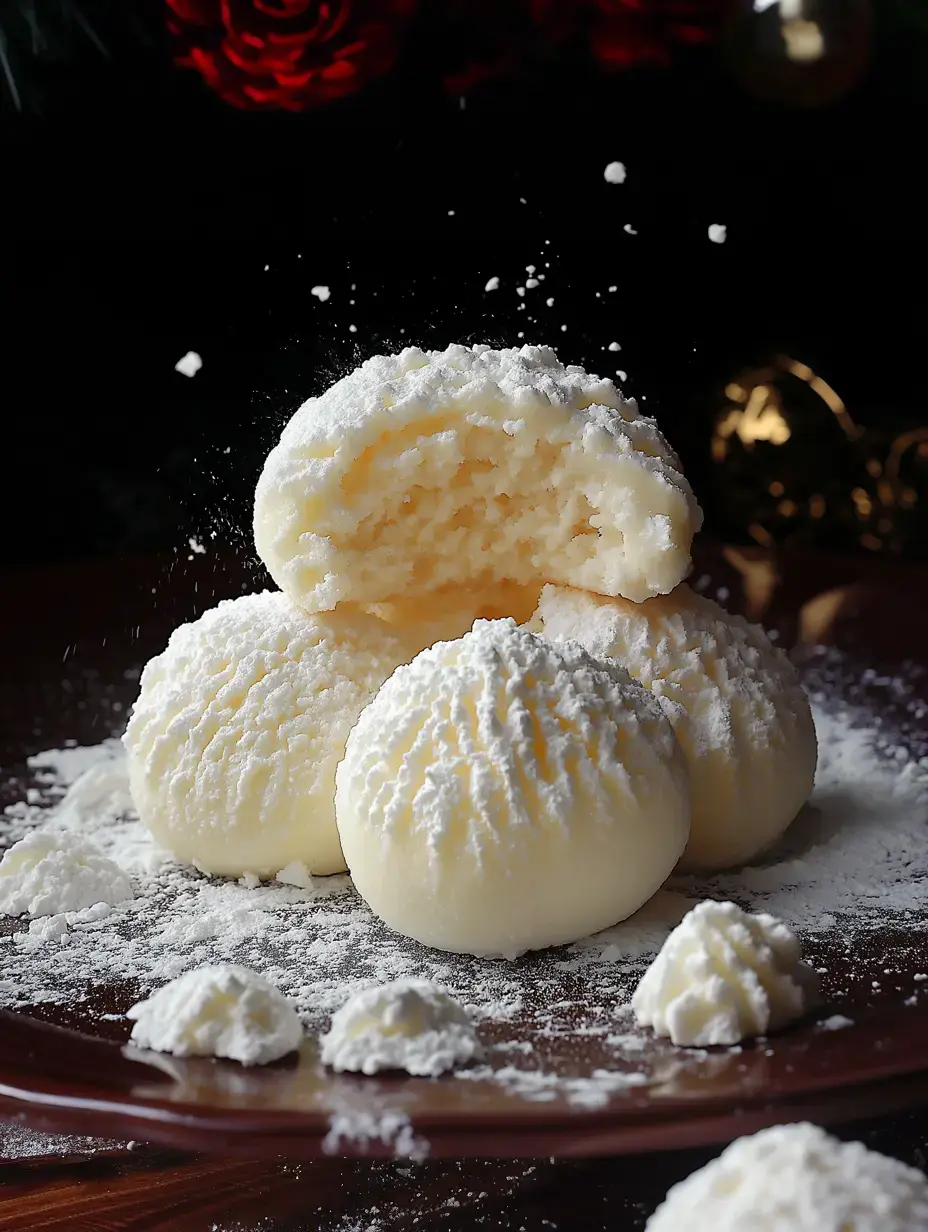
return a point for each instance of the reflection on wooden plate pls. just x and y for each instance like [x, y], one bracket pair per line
[61, 1080]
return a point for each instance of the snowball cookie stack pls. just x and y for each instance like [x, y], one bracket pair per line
[233, 742]
[471, 466]
[501, 794]
[735, 700]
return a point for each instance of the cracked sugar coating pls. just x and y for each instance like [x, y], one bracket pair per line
[220, 1011]
[409, 1024]
[738, 708]
[796, 1178]
[234, 739]
[723, 976]
[501, 794]
[50, 871]
[466, 467]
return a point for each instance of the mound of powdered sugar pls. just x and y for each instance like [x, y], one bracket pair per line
[50, 871]
[408, 1024]
[855, 862]
[797, 1178]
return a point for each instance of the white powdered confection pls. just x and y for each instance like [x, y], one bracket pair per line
[735, 700]
[295, 874]
[796, 1178]
[51, 871]
[501, 794]
[468, 467]
[723, 976]
[222, 1011]
[408, 1024]
[238, 728]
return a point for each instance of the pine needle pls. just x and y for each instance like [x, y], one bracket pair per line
[91, 33]
[8, 74]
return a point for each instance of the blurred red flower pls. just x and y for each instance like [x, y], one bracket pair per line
[487, 39]
[288, 54]
[623, 33]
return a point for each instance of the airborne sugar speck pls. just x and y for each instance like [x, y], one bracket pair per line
[189, 364]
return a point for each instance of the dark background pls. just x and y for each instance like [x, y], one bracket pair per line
[139, 212]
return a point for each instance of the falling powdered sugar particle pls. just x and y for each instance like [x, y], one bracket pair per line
[614, 173]
[189, 364]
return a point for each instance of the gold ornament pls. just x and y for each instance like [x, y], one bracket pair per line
[788, 448]
[797, 467]
[799, 52]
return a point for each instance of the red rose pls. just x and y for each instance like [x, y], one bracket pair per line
[287, 53]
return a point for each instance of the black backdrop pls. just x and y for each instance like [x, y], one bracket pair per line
[139, 214]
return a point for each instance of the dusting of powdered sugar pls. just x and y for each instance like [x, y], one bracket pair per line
[20, 1142]
[855, 862]
[537, 1085]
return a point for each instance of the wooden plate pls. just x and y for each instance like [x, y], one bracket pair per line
[77, 630]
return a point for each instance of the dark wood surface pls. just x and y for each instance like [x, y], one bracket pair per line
[68, 680]
[144, 1189]
[147, 1189]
